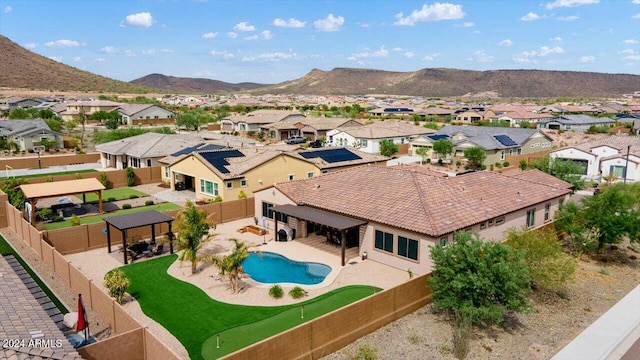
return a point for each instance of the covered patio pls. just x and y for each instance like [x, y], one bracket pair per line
[34, 192]
[340, 223]
[136, 220]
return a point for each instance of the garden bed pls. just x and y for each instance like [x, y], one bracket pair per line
[254, 229]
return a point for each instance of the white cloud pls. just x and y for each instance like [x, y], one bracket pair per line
[631, 41]
[330, 23]
[431, 57]
[244, 26]
[632, 58]
[209, 35]
[56, 58]
[636, 1]
[529, 56]
[63, 43]
[100, 60]
[232, 34]
[8, 9]
[143, 19]
[557, 38]
[435, 12]
[396, 49]
[568, 18]
[636, 16]
[530, 17]
[264, 35]
[223, 54]
[149, 52]
[627, 51]
[271, 57]
[30, 45]
[382, 52]
[77, 59]
[570, 3]
[364, 25]
[291, 23]
[166, 50]
[409, 54]
[505, 42]
[110, 50]
[481, 56]
[586, 59]
[468, 24]
[129, 53]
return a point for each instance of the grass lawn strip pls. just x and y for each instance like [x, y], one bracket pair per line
[6, 249]
[98, 218]
[192, 316]
[119, 194]
[31, 176]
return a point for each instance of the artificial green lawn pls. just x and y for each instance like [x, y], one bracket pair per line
[194, 318]
[4, 177]
[6, 249]
[98, 218]
[119, 194]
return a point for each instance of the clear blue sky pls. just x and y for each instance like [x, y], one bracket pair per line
[273, 41]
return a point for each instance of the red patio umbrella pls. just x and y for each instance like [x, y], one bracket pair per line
[82, 323]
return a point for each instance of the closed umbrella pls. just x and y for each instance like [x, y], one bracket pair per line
[82, 323]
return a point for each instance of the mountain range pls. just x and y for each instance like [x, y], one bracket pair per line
[24, 69]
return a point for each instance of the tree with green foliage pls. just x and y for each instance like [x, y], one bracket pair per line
[192, 226]
[443, 148]
[388, 148]
[111, 124]
[565, 170]
[117, 283]
[131, 176]
[475, 155]
[480, 279]
[19, 114]
[70, 125]
[11, 187]
[549, 266]
[188, 120]
[49, 144]
[54, 124]
[102, 115]
[231, 265]
[423, 152]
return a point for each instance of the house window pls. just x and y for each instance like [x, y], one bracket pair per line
[109, 157]
[310, 174]
[567, 127]
[560, 202]
[483, 225]
[176, 177]
[501, 154]
[148, 162]
[519, 151]
[267, 211]
[499, 221]
[443, 242]
[618, 171]
[229, 184]
[531, 218]
[243, 183]
[547, 207]
[166, 171]
[407, 248]
[490, 222]
[384, 241]
[364, 143]
[135, 162]
[291, 177]
[325, 171]
[510, 152]
[208, 187]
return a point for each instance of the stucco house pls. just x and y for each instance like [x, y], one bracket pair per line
[28, 133]
[367, 138]
[228, 172]
[144, 114]
[497, 142]
[401, 214]
[8, 104]
[76, 109]
[616, 154]
[255, 119]
[312, 128]
[576, 123]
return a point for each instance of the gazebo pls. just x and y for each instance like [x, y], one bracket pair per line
[136, 220]
[34, 192]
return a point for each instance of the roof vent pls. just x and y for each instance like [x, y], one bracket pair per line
[316, 186]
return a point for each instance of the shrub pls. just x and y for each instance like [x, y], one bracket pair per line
[131, 176]
[57, 218]
[505, 164]
[148, 203]
[297, 292]
[491, 167]
[104, 180]
[483, 167]
[498, 165]
[242, 195]
[428, 161]
[133, 196]
[276, 291]
[75, 221]
[111, 198]
[524, 164]
[45, 213]
[458, 162]
[364, 352]
[117, 284]
[126, 206]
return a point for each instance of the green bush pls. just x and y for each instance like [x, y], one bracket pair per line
[276, 291]
[297, 292]
[75, 221]
[45, 213]
[133, 196]
[148, 203]
[126, 206]
[111, 198]
[498, 165]
[57, 218]
[483, 167]
[505, 164]
[104, 180]
[117, 283]
[131, 176]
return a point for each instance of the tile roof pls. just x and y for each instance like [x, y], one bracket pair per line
[619, 142]
[417, 202]
[130, 109]
[263, 116]
[150, 144]
[365, 158]
[28, 314]
[386, 129]
[580, 119]
[25, 127]
[541, 177]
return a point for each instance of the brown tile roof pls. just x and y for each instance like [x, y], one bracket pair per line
[541, 177]
[417, 202]
[386, 129]
[365, 158]
[619, 142]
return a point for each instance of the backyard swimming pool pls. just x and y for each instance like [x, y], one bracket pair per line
[271, 268]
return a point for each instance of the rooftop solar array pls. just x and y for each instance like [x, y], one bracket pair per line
[218, 158]
[438, 137]
[399, 109]
[189, 150]
[331, 155]
[505, 140]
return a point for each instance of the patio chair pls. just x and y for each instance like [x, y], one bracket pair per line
[158, 249]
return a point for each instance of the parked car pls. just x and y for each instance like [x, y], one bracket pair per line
[296, 139]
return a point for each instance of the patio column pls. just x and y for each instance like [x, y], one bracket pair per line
[100, 201]
[109, 237]
[32, 202]
[343, 244]
[153, 233]
[170, 242]
[124, 245]
[275, 230]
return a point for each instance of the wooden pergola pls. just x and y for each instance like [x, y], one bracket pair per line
[136, 220]
[34, 192]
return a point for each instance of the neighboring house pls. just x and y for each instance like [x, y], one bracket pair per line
[254, 120]
[227, 140]
[605, 156]
[497, 142]
[469, 117]
[401, 214]
[8, 104]
[442, 114]
[227, 172]
[312, 128]
[28, 133]
[77, 109]
[144, 150]
[576, 123]
[391, 111]
[367, 138]
[144, 114]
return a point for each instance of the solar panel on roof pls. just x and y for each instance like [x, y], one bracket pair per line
[331, 155]
[198, 148]
[186, 150]
[505, 140]
[218, 158]
[438, 137]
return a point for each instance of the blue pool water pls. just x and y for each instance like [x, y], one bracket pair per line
[272, 268]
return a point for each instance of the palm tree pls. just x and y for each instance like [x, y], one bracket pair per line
[193, 232]
[231, 265]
